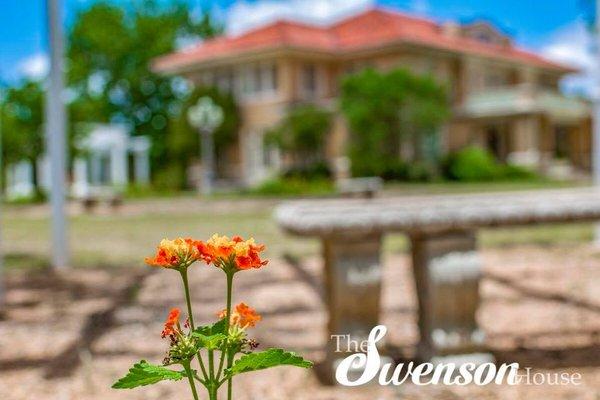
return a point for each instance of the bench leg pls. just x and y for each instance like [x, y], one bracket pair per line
[447, 270]
[353, 292]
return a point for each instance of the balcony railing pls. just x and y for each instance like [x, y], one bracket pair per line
[522, 99]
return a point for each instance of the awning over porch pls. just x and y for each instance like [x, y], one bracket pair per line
[523, 99]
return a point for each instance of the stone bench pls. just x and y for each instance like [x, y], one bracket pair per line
[96, 195]
[446, 265]
[359, 187]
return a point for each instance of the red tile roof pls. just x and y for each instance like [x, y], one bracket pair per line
[370, 29]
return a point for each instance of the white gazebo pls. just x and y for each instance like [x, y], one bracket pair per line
[104, 160]
[19, 180]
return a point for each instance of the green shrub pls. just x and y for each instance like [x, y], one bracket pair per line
[293, 187]
[421, 172]
[39, 196]
[517, 172]
[362, 169]
[396, 170]
[472, 164]
[170, 178]
[319, 170]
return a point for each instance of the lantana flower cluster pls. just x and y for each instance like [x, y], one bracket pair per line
[214, 347]
[221, 251]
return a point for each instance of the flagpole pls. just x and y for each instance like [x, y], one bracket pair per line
[55, 134]
[596, 97]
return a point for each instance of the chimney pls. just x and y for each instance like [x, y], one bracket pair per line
[451, 29]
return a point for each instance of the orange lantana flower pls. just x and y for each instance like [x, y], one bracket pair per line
[172, 323]
[242, 316]
[220, 249]
[175, 253]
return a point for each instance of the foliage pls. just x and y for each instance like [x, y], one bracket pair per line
[420, 171]
[110, 79]
[22, 116]
[301, 134]
[517, 172]
[318, 170]
[142, 374]
[267, 359]
[110, 51]
[473, 164]
[293, 187]
[214, 347]
[385, 110]
[170, 178]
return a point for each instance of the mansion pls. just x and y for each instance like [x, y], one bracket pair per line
[502, 98]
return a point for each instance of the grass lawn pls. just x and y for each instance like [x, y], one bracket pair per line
[123, 239]
[114, 240]
[472, 187]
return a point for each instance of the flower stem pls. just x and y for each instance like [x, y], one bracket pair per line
[188, 372]
[186, 287]
[211, 364]
[212, 392]
[229, 355]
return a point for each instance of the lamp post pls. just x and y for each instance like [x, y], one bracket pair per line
[206, 116]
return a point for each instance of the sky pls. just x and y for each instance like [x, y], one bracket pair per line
[554, 28]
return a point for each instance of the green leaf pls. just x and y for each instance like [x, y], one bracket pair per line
[211, 342]
[142, 374]
[267, 359]
[209, 330]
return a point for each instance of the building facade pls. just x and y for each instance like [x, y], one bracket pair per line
[502, 98]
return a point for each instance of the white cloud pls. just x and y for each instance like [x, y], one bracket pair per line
[420, 7]
[572, 45]
[244, 15]
[35, 66]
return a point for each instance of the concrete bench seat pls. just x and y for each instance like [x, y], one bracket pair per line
[366, 187]
[446, 266]
[100, 194]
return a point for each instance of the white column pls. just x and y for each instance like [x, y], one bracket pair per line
[80, 178]
[43, 173]
[55, 134]
[140, 147]
[95, 169]
[141, 165]
[118, 164]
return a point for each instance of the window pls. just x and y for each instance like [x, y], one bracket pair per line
[248, 81]
[495, 79]
[269, 78]
[309, 80]
[225, 80]
[259, 79]
[561, 140]
[207, 78]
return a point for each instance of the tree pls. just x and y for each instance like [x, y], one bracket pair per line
[386, 110]
[22, 116]
[301, 135]
[110, 50]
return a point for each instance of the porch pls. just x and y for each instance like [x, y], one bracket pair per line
[537, 128]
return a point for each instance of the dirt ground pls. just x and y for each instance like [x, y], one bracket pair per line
[70, 335]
